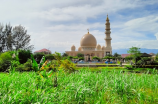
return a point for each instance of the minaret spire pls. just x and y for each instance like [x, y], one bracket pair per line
[107, 36]
[107, 19]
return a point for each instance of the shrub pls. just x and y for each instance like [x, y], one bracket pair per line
[28, 65]
[20, 68]
[5, 61]
[38, 57]
[81, 58]
[129, 67]
[49, 57]
[24, 55]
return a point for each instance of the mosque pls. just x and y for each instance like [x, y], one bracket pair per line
[89, 46]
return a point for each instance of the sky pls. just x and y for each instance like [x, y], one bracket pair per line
[58, 24]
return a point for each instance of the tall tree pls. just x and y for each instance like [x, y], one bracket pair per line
[16, 38]
[135, 53]
[5, 38]
[2, 38]
[21, 39]
[8, 37]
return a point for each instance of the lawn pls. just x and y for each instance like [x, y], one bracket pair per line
[83, 86]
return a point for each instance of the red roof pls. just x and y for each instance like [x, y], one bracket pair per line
[151, 54]
[43, 50]
[124, 55]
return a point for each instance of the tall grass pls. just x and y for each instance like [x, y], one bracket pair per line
[81, 87]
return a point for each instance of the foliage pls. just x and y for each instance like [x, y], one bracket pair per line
[109, 56]
[75, 57]
[20, 38]
[156, 58]
[38, 56]
[14, 38]
[34, 64]
[129, 67]
[116, 56]
[80, 55]
[28, 65]
[56, 65]
[129, 57]
[64, 55]
[24, 55]
[70, 57]
[115, 87]
[5, 61]
[135, 53]
[20, 68]
[49, 57]
[81, 58]
[95, 58]
[5, 38]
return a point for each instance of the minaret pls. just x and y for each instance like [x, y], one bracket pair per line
[108, 38]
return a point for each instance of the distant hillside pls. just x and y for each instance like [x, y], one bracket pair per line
[143, 50]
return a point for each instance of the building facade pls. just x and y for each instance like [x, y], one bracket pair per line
[89, 47]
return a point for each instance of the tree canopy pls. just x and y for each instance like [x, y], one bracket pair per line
[135, 53]
[14, 38]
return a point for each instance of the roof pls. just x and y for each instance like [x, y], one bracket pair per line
[124, 55]
[151, 54]
[43, 50]
[145, 55]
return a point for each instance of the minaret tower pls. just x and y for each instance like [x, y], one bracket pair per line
[108, 39]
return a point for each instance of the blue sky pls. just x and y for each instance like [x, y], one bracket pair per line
[59, 24]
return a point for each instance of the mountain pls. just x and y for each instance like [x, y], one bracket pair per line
[143, 50]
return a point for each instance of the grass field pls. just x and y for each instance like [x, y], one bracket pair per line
[83, 86]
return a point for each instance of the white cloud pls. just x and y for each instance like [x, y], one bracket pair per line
[59, 24]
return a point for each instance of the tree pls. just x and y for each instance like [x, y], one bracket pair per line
[80, 55]
[135, 53]
[14, 39]
[21, 39]
[156, 57]
[64, 55]
[2, 38]
[109, 56]
[117, 56]
[5, 38]
[95, 58]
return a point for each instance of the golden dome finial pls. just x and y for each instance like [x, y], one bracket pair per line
[88, 31]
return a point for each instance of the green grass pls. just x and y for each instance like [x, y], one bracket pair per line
[83, 86]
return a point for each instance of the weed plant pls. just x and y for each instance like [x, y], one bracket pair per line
[82, 86]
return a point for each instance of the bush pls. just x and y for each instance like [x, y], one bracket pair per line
[49, 57]
[129, 67]
[5, 61]
[38, 57]
[81, 58]
[25, 67]
[20, 68]
[24, 55]
[28, 65]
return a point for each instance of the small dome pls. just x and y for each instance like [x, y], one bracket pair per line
[79, 49]
[88, 40]
[103, 47]
[73, 48]
[98, 47]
